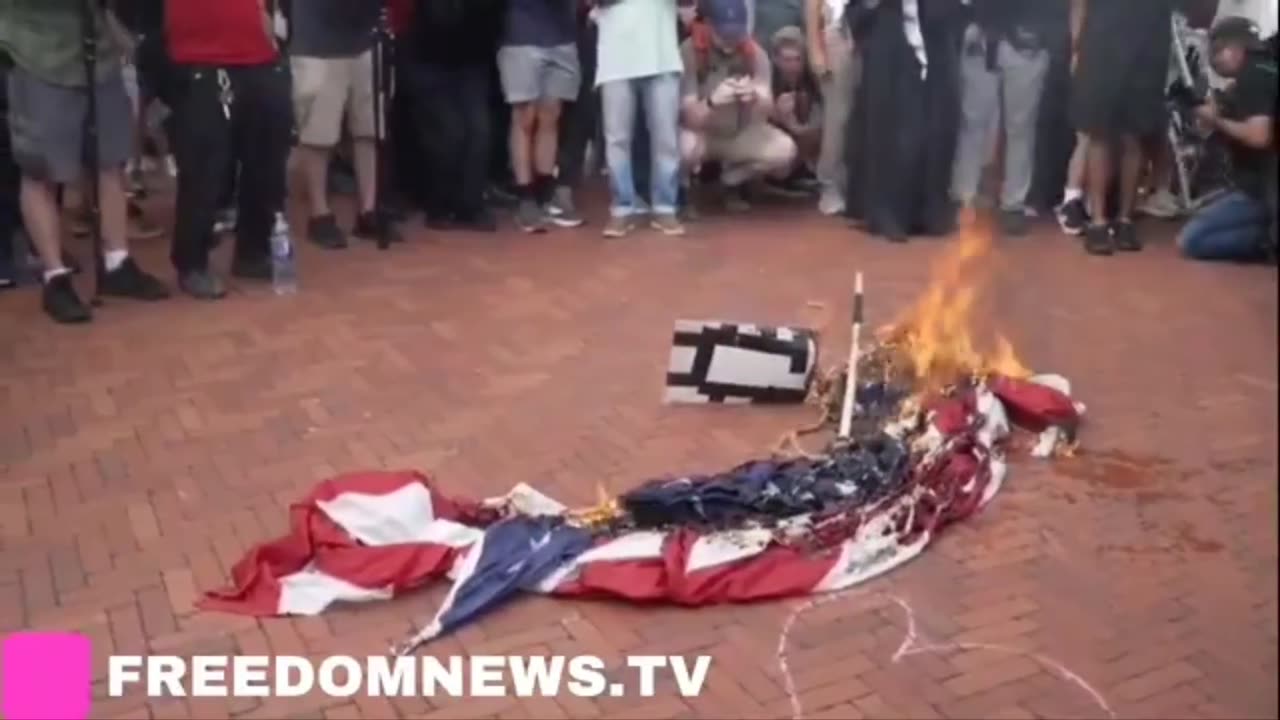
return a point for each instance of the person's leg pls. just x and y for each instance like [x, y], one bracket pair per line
[979, 102]
[474, 123]
[320, 92]
[363, 123]
[560, 84]
[202, 149]
[662, 117]
[522, 70]
[618, 116]
[1131, 163]
[10, 182]
[759, 151]
[1022, 78]
[577, 128]
[1230, 228]
[837, 89]
[262, 119]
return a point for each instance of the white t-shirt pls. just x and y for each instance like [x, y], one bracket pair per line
[637, 39]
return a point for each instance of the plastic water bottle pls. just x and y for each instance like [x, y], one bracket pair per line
[284, 272]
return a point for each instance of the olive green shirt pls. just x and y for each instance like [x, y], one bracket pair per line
[700, 82]
[44, 38]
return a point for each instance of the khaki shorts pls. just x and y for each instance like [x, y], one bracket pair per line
[325, 90]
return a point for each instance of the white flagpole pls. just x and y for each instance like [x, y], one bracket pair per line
[851, 376]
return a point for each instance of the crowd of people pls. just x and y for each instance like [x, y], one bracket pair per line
[887, 112]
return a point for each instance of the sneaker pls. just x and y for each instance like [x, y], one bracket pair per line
[1126, 236]
[324, 232]
[8, 274]
[501, 196]
[1014, 223]
[202, 285]
[1073, 217]
[561, 210]
[225, 221]
[618, 227]
[830, 202]
[667, 224]
[170, 166]
[1162, 204]
[131, 281]
[61, 302]
[530, 218]
[372, 226]
[735, 199]
[1097, 240]
[786, 189]
[252, 269]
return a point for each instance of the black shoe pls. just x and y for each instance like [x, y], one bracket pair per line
[251, 269]
[8, 274]
[480, 221]
[372, 226]
[1097, 240]
[62, 303]
[1013, 223]
[1073, 217]
[131, 281]
[70, 262]
[202, 285]
[1126, 236]
[324, 231]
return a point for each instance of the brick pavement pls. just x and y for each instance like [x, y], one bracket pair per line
[141, 455]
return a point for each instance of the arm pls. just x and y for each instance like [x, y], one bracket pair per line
[816, 36]
[694, 110]
[1078, 12]
[1254, 132]
[762, 83]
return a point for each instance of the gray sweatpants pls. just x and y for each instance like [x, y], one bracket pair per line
[1010, 93]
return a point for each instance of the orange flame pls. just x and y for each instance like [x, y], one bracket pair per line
[936, 334]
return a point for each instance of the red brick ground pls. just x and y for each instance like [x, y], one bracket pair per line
[141, 455]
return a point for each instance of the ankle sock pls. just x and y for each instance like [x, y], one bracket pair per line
[113, 259]
[1072, 194]
[55, 272]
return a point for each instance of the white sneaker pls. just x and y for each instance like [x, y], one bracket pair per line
[1162, 204]
[830, 203]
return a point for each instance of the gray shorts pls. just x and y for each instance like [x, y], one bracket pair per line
[46, 124]
[532, 73]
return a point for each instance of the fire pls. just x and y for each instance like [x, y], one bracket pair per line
[936, 335]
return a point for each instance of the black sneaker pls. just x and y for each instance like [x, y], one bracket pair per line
[324, 232]
[1126, 236]
[1098, 241]
[202, 285]
[61, 301]
[251, 269]
[1073, 217]
[131, 281]
[372, 226]
[561, 210]
[1014, 223]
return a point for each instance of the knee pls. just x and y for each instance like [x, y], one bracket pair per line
[547, 115]
[779, 153]
[525, 117]
[693, 148]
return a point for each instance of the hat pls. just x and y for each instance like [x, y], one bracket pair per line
[1235, 29]
[729, 19]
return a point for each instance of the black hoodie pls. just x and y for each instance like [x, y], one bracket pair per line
[456, 32]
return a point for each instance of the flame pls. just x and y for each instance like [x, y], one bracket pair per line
[936, 335]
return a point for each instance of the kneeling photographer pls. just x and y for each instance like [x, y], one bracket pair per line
[1239, 226]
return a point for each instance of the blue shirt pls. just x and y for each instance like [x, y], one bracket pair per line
[540, 23]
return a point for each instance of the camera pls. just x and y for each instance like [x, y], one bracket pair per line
[1185, 96]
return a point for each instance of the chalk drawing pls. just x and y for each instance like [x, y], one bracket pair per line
[913, 644]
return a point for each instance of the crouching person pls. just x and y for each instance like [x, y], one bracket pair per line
[727, 104]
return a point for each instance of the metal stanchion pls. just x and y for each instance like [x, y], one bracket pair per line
[89, 47]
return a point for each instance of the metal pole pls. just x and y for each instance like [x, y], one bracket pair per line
[381, 39]
[89, 43]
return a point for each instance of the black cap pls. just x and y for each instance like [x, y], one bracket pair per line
[1235, 29]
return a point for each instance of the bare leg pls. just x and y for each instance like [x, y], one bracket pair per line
[524, 118]
[546, 137]
[1076, 167]
[1130, 175]
[40, 215]
[315, 170]
[1098, 178]
[114, 221]
[365, 155]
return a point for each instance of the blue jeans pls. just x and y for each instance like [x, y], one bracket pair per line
[660, 95]
[1229, 228]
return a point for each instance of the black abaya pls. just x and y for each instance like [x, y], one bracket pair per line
[902, 135]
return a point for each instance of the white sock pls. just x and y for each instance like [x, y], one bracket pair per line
[55, 272]
[1072, 194]
[113, 259]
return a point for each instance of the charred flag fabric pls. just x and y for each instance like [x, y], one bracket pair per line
[766, 529]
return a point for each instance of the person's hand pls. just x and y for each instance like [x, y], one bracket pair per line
[1207, 114]
[724, 93]
[818, 64]
[747, 92]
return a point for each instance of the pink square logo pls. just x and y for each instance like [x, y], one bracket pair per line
[46, 676]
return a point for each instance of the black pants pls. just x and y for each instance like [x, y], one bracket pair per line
[579, 121]
[451, 112]
[208, 147]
